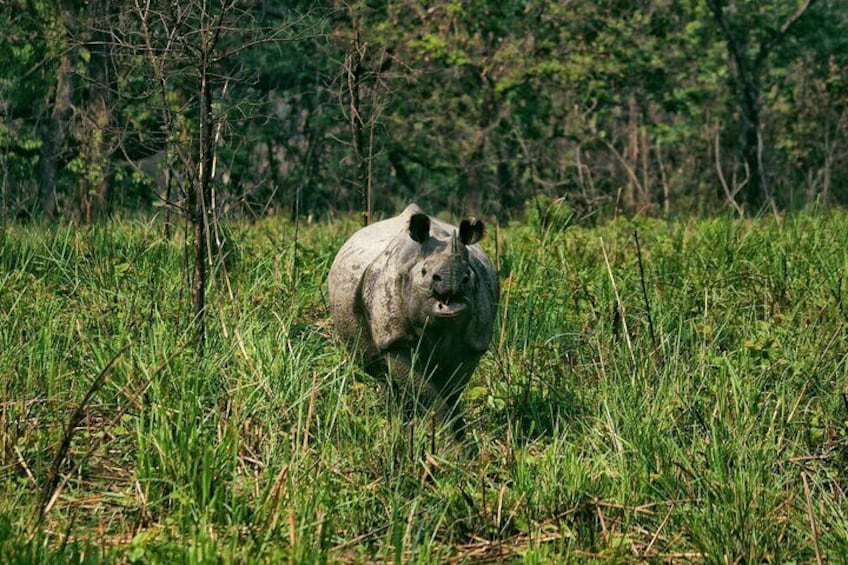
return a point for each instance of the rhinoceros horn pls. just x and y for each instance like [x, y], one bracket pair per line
[454, 244]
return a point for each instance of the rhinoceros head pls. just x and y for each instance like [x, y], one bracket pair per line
[442, 278]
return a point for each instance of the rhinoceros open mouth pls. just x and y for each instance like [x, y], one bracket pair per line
[445, 308]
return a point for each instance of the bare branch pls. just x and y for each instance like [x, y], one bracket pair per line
[731, 196]
[779, 36]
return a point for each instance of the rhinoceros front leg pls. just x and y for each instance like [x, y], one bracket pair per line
[410, 381]
[450, 382]
[421, 386]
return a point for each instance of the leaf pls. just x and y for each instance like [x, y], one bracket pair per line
[475, 393]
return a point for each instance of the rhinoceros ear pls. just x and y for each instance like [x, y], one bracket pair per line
[419, 227]
[471, 231]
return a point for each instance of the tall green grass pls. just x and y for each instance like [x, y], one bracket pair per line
[591, 439]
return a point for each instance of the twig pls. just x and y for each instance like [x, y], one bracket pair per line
[644, 289]
[272, 502]
[310, 411]
[767, 46]
[657, 533]
[433, 434]
[603, 522]
[23, 463]
[631, 174]
[294, 273]
[3, 211]
[731, 195]
[618, 303]
[812, 517]
[47, 493]
[663, 179]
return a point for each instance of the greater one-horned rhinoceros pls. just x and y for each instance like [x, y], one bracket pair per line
[416, 297]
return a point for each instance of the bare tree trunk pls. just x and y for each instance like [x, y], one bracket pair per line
[99, 114]
[93, 186]
[52, 140]
[828, 160]
[201, 205]
[158, 65]
[631, 153]
[4, 201]
[666, 193]
[169, 179]
[357, 125]
[54, 133]
[645, 197]
[757, 193]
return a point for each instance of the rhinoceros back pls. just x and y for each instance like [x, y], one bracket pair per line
[346, 273]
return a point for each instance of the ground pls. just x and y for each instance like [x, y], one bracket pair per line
[691, 409]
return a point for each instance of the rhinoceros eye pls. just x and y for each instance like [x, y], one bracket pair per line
[466, 277]
[423, 272]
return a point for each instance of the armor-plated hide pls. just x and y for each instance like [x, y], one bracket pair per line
[416, 297]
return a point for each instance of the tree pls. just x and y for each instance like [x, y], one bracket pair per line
[40, 60]
[55, 129]
[752, 32]
[190, 50]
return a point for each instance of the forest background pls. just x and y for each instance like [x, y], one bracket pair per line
[656, 106]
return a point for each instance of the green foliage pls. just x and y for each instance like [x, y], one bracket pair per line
[544, 212]
[590, 438]
[465, 105]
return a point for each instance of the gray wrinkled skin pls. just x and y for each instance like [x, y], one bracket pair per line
[416, 297]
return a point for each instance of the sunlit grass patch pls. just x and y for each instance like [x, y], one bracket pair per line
[681, 411]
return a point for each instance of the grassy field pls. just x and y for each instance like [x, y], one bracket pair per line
[702, 417]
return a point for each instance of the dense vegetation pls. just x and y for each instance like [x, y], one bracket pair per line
[309, 107]
[703, 417]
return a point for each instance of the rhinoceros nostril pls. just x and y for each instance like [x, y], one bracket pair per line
[437, 278]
